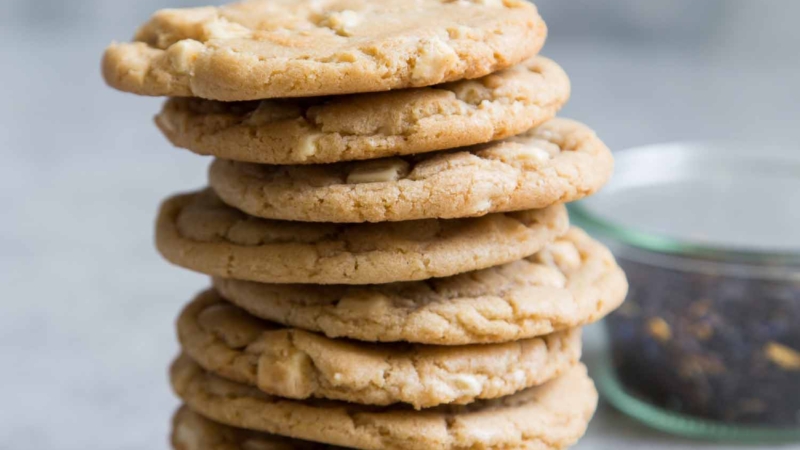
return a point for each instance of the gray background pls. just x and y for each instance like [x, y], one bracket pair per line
[86, 319]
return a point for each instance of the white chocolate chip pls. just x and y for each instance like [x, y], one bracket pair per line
[547, 276]
[434, 60]
[515, 153]
[364, 304]
[183, 54]
[548, 135]
[161, 30]
[496, 383]
[525, 152]
[307, 146]
[342, 22]
[224, 29]
[551, 148]
[471, 92]
[566, 255]
[379, 171]
[468, 384]
[535, 154]
[483, 206]
[536, 150]
[316, 6]
[563, 255]
[444, 389]
[284, 370]
[491, 3]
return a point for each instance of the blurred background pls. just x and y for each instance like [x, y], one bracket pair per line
[86, 322]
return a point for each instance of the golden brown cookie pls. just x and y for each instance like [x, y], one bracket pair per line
[292, 363]
[551, 416]
[261, 49]
[557, 162]
[191, 431]
[199, 232]
[570, 283]
[368, 126]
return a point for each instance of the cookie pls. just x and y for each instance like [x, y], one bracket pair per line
[570, 283]
[293, 363]
[551, 416]
[199, 232]
[262, 49]
[368, 126]
[558, 162]
[191, 431]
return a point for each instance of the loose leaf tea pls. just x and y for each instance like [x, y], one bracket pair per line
[710, 345]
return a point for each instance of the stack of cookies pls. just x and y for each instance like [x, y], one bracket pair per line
[391, 258]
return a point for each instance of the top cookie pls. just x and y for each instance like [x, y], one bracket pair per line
[366, 126]
[296, 48]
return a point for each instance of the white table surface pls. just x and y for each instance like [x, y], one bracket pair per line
[86, 322]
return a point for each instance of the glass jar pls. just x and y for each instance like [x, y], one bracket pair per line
[708, 342]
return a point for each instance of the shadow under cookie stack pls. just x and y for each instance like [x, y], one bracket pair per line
[392, 262]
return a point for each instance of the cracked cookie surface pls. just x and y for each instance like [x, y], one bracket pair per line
[260, 49]
[199, 232]
[191, 431]
[551, 416]
[293, 363]
[559, 161]
[572, 282]
[369, 126]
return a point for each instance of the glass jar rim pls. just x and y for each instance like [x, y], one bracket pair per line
[684, 177]
[658, 243]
